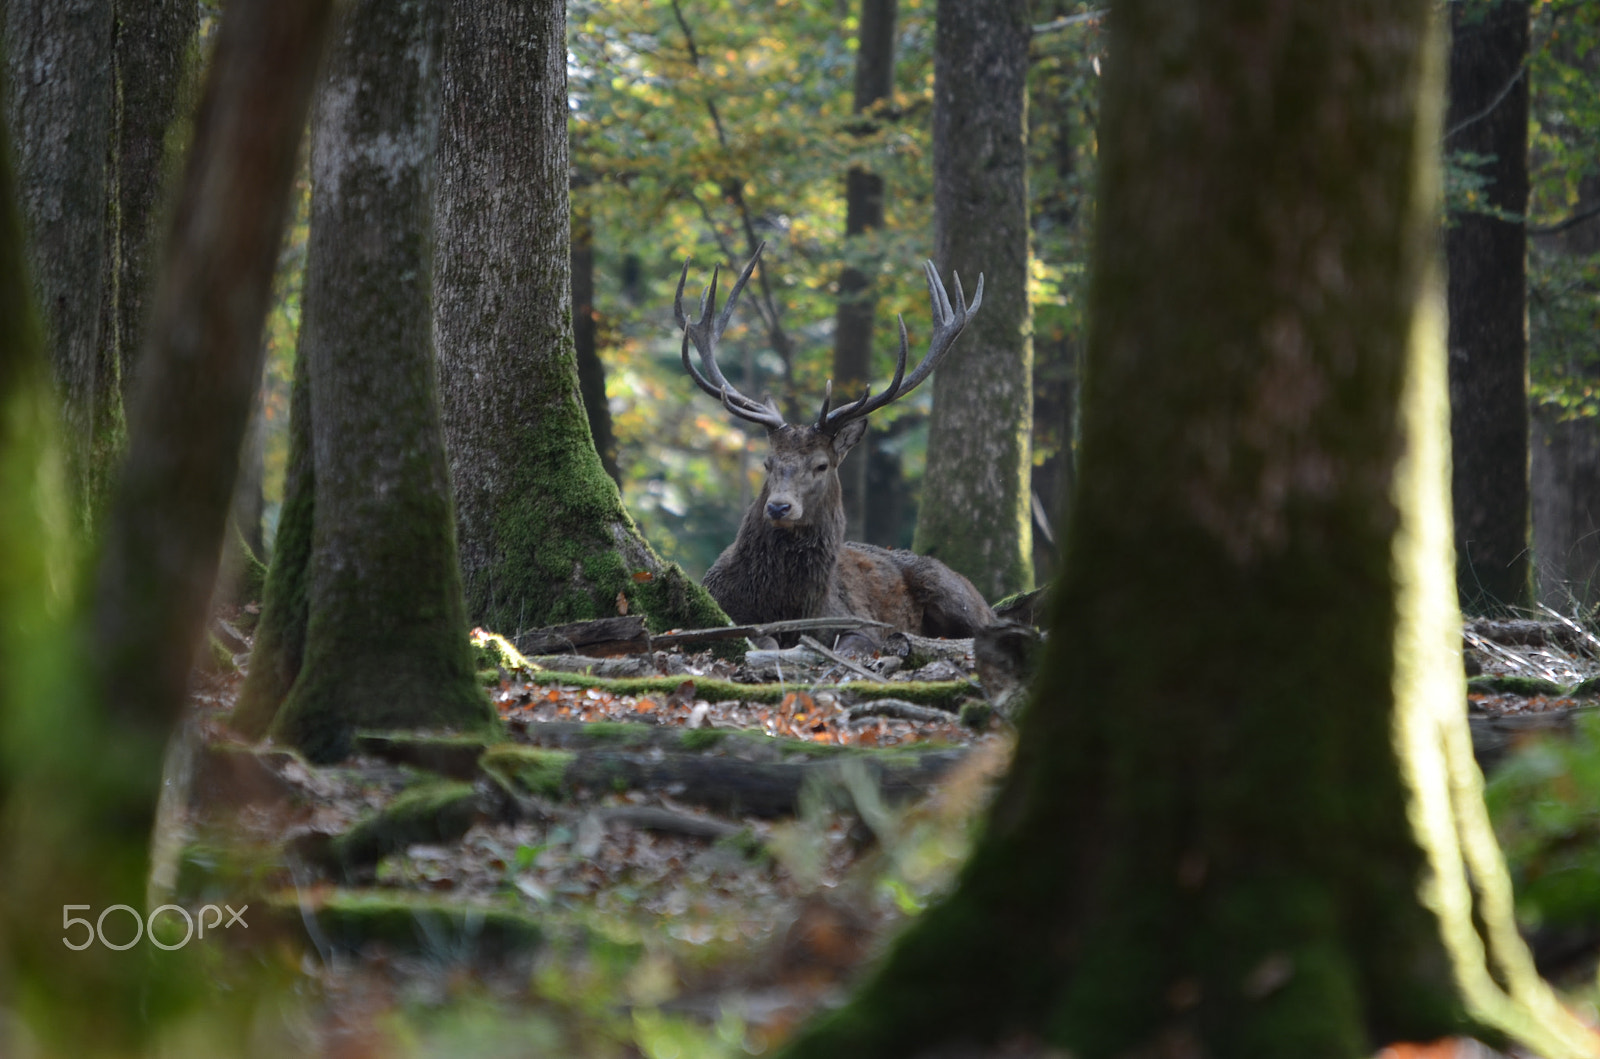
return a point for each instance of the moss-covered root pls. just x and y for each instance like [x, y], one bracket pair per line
[435, 812]
[345, 920]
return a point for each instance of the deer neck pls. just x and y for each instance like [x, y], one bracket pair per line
[799, 562]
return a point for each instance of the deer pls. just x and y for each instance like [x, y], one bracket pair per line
[789, 558]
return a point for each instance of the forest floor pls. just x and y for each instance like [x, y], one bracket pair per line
[687, 857]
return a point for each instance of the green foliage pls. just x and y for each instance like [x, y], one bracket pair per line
[1543, 802]
[1563, 289]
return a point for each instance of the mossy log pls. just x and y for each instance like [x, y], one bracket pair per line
[721, 784]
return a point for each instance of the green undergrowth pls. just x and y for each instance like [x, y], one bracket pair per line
[1543, 799]
[942, 694]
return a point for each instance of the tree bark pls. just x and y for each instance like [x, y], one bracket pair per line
[975, 513]
[1487, 257]
[591, 369]
[544, 537]
[386, 634]
[1168, 869]
[154, 52]
[59, 105]
[858, 303]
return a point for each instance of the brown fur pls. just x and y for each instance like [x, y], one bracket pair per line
[800, 566]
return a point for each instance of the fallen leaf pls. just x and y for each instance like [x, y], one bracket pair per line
[641, 576]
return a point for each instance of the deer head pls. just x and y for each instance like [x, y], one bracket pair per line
[802, 487]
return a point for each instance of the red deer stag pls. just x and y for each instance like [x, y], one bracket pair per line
[790, 558]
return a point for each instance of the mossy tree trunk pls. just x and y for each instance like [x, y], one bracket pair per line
[975, 513]
[80, 800]
[280, 637]
[60, 91]
[1206, 847]
[544, 536]
[385, 635]
[1487, 254]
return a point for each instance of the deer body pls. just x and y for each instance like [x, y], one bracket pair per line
[789, 558]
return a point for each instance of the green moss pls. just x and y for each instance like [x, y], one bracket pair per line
[435, 812]
[943, 694]
[1524, 686]
[220, 657]
[539, 772]
[1587, 689]
[696, 739]
[428, 926]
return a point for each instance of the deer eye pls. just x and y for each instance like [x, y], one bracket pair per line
[819, 468]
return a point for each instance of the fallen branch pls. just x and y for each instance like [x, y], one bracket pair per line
[838, 659]
[900, 710]
[1508, 655]
[772, 628]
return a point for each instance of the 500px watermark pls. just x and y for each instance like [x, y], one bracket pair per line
[96, 931]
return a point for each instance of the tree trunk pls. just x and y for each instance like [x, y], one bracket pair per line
[1566, 511]
[280, 640]
[155, 54]
[1487, 257]
[858, 303]
[80, 809]
[544, 537]
[591, 369]
[1203, 848]
[975, 513]
[386, 635]
[59, 105]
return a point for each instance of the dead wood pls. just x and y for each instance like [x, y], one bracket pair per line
[899, 709]
[603, 637]
[917, 651]
[770, 628]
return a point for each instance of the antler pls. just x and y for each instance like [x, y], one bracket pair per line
[705, 333]
[948, 323]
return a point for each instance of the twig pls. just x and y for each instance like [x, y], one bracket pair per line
[839, 659]
[1041, 28]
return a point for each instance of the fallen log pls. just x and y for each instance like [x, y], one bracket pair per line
[724, 785]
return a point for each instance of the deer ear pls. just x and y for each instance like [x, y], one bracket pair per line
[848, 435]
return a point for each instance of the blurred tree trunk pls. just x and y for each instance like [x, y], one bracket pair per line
[858, 302]
[59, 76]
[1487, 257]
[591, 369]
[1202, 847]
[544, 537]
[976, 512]
[386, 635]
[79, 805]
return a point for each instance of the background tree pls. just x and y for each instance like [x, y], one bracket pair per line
[77, 811]
[1235, 860]
[1563, 303]
[544, 537]
[858, 304]
[976, 512]
[59, 76]
[1486, 252]
[385, 640]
